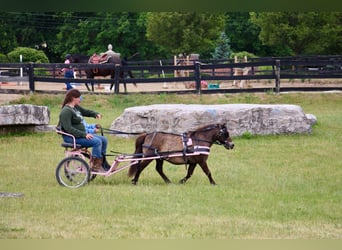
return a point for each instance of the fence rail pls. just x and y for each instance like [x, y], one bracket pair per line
[277, 69]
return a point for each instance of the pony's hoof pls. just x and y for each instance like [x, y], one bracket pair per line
[182, 181]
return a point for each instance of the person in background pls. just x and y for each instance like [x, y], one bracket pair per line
[71, 121]
[68, 72]
[110, 50]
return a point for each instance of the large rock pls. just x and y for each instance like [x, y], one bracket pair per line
[240, 118]
[24, 114]
[24, 117]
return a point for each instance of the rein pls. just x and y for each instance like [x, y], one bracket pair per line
[118, 132]
[215, 142]
[188, 147]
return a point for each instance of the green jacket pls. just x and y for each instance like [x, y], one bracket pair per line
[72, 123]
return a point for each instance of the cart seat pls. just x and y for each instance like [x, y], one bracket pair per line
[71, 145]
[66, 145]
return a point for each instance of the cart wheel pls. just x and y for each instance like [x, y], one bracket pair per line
[72, 172]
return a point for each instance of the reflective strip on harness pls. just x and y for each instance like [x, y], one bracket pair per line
[202, 150]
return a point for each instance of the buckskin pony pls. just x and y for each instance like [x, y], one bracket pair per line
[190, 148]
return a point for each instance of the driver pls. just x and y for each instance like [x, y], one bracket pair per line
[71, 121]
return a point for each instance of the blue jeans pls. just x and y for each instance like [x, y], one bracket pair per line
[68, 74]
[98, 144]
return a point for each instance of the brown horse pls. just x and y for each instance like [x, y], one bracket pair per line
[190, 148]
[101, 71]
[113, 58]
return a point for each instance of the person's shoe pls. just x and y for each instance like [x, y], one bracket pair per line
[96, 165]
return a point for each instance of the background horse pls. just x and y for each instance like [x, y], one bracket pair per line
[165, 144]
[92, 72]
[79, 58]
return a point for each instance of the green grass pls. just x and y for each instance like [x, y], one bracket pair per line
[286, 186]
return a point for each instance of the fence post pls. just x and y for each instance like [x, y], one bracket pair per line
[116, 79]
[277, 75]
[198, 77]
[31, 78]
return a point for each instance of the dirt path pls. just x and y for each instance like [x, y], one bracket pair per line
[6, 98]
[10, 87]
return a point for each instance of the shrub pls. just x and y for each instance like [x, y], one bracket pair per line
[247, 135]
[242, 54]
[29, 55]
[3, 58]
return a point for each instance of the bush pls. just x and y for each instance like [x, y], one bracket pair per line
[29, 55]
[242, 54]
[266, 70]
[3, 58]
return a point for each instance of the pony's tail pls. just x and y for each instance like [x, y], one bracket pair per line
[138, 153]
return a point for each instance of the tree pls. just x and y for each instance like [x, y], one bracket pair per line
[244, 36]
[242, 32]
[184, 33]
[222, 50]
[8, 38]
[28, 29]
[302, 33]
[88, 33]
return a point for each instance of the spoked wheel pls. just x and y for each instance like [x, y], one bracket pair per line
[73, 172]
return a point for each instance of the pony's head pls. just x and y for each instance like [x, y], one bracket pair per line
[223, 137]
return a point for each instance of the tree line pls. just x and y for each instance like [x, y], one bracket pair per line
[155, 35]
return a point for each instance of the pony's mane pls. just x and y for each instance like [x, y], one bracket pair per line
[204, 128]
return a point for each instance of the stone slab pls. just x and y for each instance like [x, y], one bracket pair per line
[262, 119]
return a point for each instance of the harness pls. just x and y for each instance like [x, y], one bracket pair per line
[187, 143]
[189, 149]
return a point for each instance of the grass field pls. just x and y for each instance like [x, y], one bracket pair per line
[269, 187]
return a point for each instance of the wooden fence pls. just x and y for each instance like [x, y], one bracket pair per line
[270, 69]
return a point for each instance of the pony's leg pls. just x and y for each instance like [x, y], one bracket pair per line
[191, 169]
[206, 170]
[159, 168]
[142, 165]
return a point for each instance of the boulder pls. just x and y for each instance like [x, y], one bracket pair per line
[23, 117]
[258, 119]
[24, 114]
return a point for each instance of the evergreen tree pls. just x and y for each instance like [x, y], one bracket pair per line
[222, 50]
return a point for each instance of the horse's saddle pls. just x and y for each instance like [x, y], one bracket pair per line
[97, 59]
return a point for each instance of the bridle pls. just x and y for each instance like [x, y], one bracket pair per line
[223, 132]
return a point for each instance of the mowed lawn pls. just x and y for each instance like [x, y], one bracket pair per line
[269, 187]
